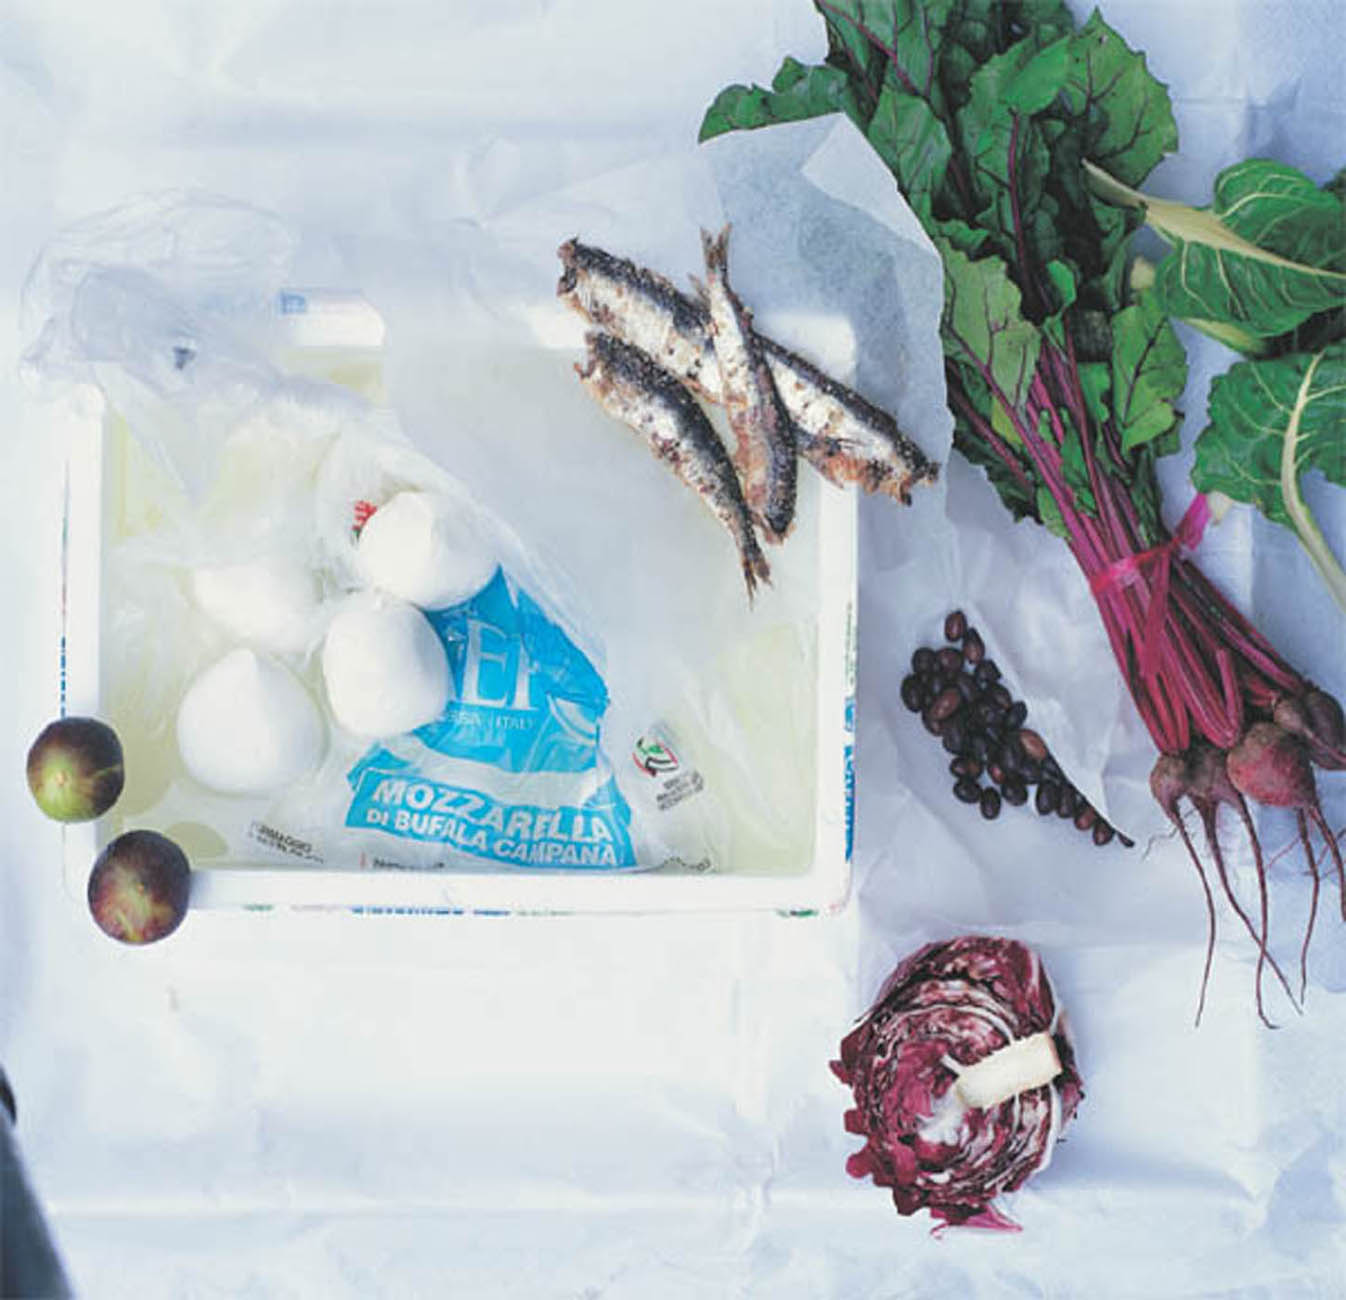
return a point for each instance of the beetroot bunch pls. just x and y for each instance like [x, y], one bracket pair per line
[1019, 138]
[1270, 761]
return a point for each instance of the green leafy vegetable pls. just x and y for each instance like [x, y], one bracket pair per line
[983, 325]
[1269, 253]
[1128, 124]
[906, 34]
[908, 136]
[1149, 371]
[1270, 422]
[1019, 142]
[797, 92]
[1263, 270]
[1008, 156]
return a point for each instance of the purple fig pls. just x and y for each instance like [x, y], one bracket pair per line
[139, 887]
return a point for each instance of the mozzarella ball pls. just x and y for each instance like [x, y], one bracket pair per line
[386, 670]
[417, 547]
[270, 603]
[247, 726]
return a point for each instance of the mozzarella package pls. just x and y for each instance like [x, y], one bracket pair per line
[319, 643]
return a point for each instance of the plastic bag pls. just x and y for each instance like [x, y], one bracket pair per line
[246, 477]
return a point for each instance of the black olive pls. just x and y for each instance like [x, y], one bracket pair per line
[986, 713]
[949, 663]
[954, 736]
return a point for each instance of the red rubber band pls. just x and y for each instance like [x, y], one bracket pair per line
[1191, 528]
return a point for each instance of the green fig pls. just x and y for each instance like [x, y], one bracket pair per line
[76, 769]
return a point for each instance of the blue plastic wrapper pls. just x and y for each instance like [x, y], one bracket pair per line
[525, 699]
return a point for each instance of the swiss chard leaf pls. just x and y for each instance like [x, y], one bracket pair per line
[1149, 372]
[1337, 186]
[1269, 422]
[797, 92]
[1277, 207]
[1265, 257]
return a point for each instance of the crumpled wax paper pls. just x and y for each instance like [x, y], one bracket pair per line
[481, 368]
[290, 1105]
[480, 375]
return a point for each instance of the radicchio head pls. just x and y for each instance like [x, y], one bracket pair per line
[946, 1008]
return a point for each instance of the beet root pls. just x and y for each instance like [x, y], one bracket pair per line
[1271, 766]
[1274, 767]
[1313, 904]
[1202, 776]
[1210, 787]
[1169, 782]
[1315, 718]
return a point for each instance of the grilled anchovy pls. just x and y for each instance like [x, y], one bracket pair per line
[630, 386]
[763, 431]
[844, 437]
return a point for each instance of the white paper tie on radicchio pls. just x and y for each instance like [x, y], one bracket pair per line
[963, 1076]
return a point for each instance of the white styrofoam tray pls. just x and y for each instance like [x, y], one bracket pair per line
[822, 886]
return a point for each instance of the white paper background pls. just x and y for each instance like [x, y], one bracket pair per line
[295, 1105]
